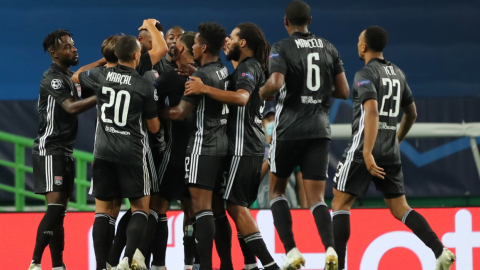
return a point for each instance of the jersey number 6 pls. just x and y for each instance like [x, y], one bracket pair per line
[313, 72]
[116, 99]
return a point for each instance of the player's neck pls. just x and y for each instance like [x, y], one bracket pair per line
[65, 67]
[109, 65]
[184, 60]
[130, 64]
[245, 54]
[208, 58]
[301, 29]
[169, 58]
[370, 56]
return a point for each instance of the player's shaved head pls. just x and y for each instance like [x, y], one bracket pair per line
[108, 48]
[176, 27]
[126, 47]
[298, 13]
[376, 38]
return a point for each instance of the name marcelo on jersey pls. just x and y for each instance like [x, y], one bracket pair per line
[310, 43]
[118, 78]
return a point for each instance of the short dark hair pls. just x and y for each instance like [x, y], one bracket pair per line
[298, 13]
[213, 35]
[158, 25]
[125, 47]
[376, 38]
[108, 48]
[188, 39]
[175, 27]
[52, 39]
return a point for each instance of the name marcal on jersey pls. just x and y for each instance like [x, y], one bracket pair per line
[118, 78]
[310, 43]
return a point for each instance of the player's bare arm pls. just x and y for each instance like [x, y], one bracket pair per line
[159, 46]
[272, 86]
[186, 70]
[93, 65]
[409, 117]
[370, 135]
[179, 112]
[235, 98]
[153, 125]
[76, 107]
[342, 90]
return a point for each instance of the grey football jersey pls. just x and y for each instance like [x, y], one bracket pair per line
[385, 82]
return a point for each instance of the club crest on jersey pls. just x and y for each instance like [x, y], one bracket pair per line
[58, 180]
[364, 82]
[56, 84]
[273, 55]
[250, 76]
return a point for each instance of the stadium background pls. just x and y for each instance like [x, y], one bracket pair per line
[434, 42]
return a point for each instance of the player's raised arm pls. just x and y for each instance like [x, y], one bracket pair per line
[237, 98]
[159, 46]
[93, 65]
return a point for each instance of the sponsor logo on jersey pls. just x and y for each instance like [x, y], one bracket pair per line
[310, 100]
[56, 84]
[113, 130]
[58, 180]
[383, 125]
[273, 55]
[48, 233]
[364, 82]
[250, 76]
[223, 121]
[155, 96]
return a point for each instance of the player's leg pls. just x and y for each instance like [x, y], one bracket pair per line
[135, 184]
[160, 240]
[223, 232]
[241, 191]
[56, 194]
[106, 212]
[314, 167]
[341, 204]
[249, 259]
[393, 191]
[420, 227]
[205, 225]
[351, 179]
[203, 173]
[120, 239]
[189, 246]
[282, 160]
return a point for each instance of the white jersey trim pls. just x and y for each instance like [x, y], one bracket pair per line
[281, 99]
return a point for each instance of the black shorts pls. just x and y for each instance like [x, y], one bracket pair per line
[205, 172]
[172, 182]
[354, 178]
[310, 154]
[115, 180]
[53, 174]
[154, 160]
[243, 174]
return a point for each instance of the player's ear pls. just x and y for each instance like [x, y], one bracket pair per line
[310, 20]
[243, 43]
[286, 22]
[204, 48]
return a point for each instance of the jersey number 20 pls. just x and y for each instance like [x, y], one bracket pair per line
[116, 99]
[391, 84]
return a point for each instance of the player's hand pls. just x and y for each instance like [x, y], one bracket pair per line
[193, 87]
[225, 46]
[263, 96]
[372, 166]
[147, 23]
[102, 62]
[186, 70]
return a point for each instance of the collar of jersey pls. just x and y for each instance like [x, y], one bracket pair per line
[213, 63]
[303, 35]
[60, 69]
[120, 66]
[383, 61]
